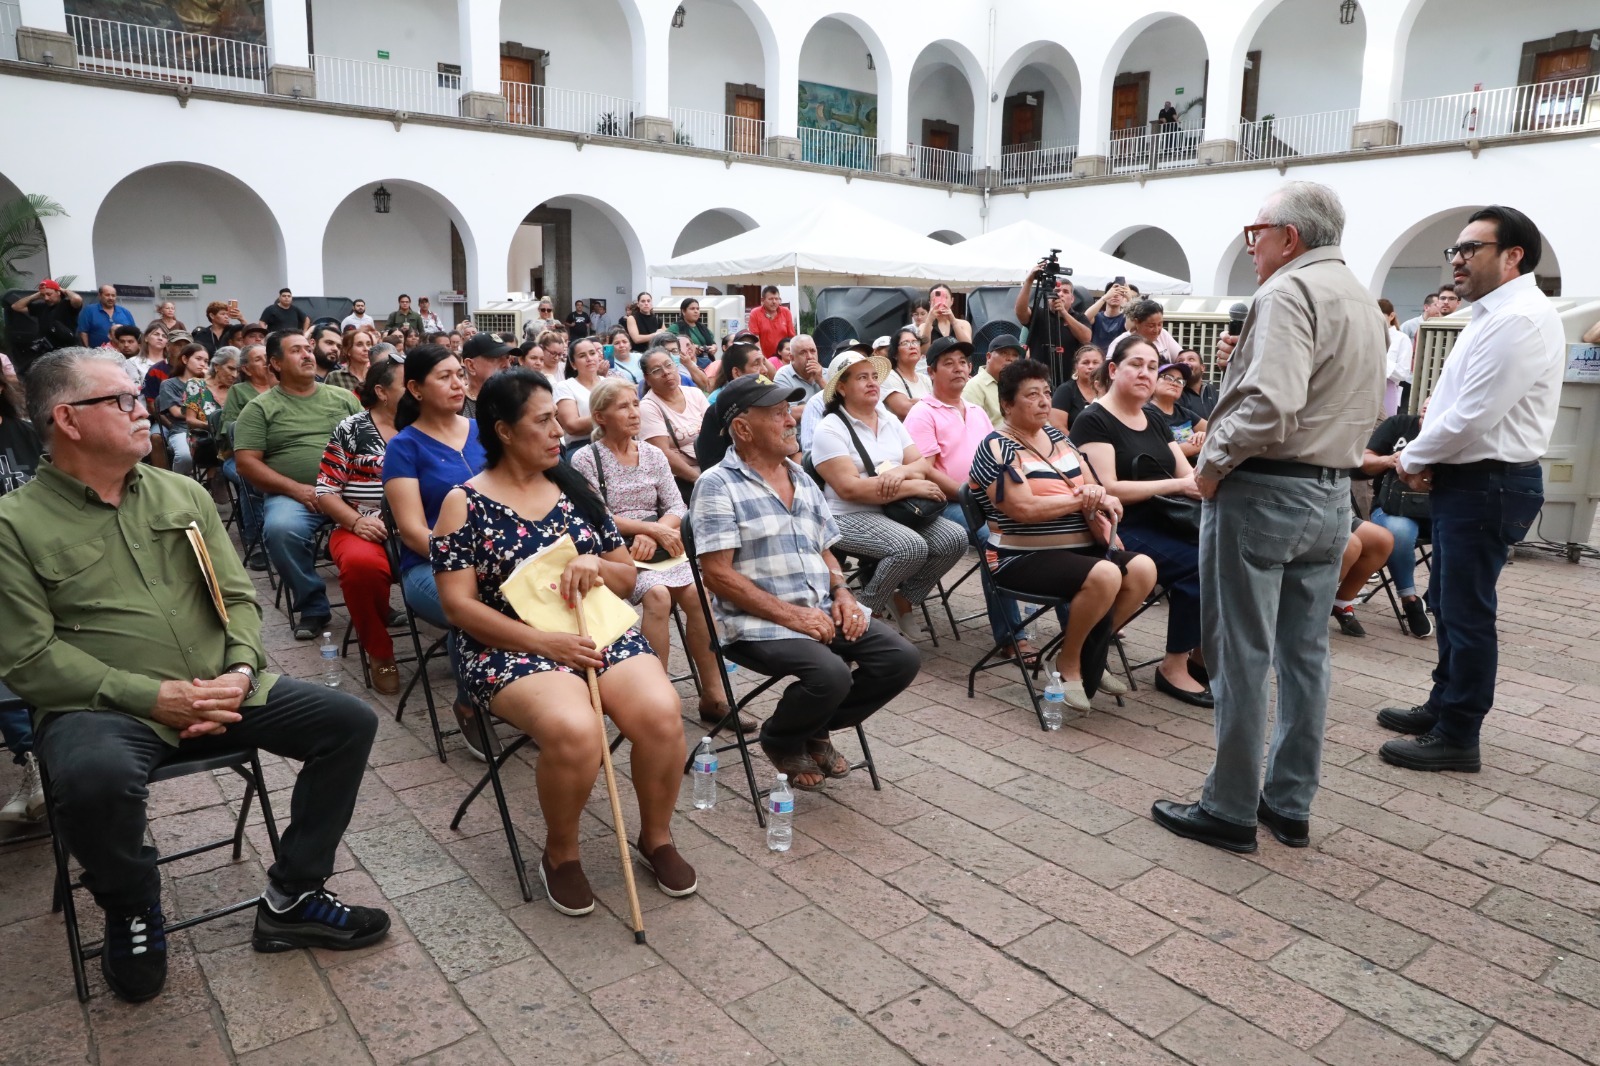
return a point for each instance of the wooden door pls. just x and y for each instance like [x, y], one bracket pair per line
[748, 130]
[1558, 96]
[1252, 87]
[941, 139]
[1022, 122]
[516, 74]
[1125, 108]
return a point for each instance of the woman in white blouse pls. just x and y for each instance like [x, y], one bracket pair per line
[584, 360]
[1399, 361]
[900, 374]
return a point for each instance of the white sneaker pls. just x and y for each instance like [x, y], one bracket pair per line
[1112, 685]
[27, 802]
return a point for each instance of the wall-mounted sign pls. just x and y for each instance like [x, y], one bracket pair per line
[135, 292]
[382, 54]
[180, 290]
[1178, 91]
[452, 297]
[208, 279]
[1583, 363]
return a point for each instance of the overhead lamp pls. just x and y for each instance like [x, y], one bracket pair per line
[380, 200]
[1347, 13]
[677, 18]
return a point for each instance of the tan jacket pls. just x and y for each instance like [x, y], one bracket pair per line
[1306, 380]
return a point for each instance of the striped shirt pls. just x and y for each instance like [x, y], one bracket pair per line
[777, 548]
[352, 464]
[1000, 458]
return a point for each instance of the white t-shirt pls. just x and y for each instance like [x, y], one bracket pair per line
[917, 386]
[573, 389]
[887, 447]
[358, 321]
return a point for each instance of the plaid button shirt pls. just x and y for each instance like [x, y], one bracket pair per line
[778, 548]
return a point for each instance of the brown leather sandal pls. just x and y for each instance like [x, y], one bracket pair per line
[795, 764]
[828, 758]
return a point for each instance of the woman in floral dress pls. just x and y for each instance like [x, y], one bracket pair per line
[634, 480]
[525, 499]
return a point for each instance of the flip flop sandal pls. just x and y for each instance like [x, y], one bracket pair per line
[828, 758]
[794, 765]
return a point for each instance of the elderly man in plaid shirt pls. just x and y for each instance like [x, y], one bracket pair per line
[762, 531]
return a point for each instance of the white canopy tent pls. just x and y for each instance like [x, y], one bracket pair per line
[1022, 244]
[833, 243]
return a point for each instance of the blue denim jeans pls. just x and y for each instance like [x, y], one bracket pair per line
[1177, 562]
[1478, 514]
[1270, 548]
[417, 586]
[1403, 560]
[291, 532]
[1000, 608]
[250, 505]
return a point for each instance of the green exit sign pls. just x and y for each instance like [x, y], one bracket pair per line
[208, 279]
[1176, 92]
[382, 54]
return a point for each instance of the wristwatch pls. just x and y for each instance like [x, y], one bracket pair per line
[248, 671]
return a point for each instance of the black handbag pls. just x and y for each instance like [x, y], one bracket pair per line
[1401, 502]
[661, 555]
[1180, 515]
[916, 512]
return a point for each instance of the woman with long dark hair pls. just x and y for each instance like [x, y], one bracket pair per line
[435, 450]
[191, 366]
[641, 321]
[584, 360]
[525, 499]
[691, 324]
[1078, 391]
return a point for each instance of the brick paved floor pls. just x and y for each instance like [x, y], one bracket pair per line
[1004, 899]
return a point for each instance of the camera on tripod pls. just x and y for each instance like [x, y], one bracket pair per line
[1047, 335]
[1050, 268]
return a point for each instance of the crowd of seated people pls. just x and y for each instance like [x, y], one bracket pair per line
[467, 452]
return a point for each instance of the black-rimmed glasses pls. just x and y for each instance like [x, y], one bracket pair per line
[1466, 250]
[126, 401]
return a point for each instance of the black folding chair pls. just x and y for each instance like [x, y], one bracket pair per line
[1424, 558]
[242, 761]
[736, 704]
[419, 655]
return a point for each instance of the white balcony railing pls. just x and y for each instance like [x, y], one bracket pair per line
[1163, 146]
[1514, 109]
[1324, 133]
[830, 148]
[572, 110]
[1027, 164]
[383, 85]
[10, 19]
[943, 165]
[149, 53]
[719, 133]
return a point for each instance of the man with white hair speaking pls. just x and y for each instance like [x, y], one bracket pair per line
[1300, 397]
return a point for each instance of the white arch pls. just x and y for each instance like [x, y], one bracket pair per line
[1401, 243]
[1096, 132]
[1066, 80]
[977, 86]
[891, 111]
[359, 199]
[947, 236]
[1121, 237]
[632, 247]
[744, 221]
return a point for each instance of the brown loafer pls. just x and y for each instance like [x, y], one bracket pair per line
[713, 713]
[385, 677]
[673, 875]
[566, 887]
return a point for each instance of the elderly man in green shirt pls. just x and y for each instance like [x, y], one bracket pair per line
[113, 635]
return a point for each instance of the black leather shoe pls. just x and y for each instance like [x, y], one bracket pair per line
[1193, 699]
[1188, 820]
[1291, 832]
[1416, 721]
[1430, 752]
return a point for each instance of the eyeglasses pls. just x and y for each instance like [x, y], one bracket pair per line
[1176, 379]
[1466, 250]
[657, 371]
[125, 401]
[1252, 233]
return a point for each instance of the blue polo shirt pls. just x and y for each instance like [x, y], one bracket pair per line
[97, 325]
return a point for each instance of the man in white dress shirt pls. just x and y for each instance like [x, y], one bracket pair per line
[1489, 420]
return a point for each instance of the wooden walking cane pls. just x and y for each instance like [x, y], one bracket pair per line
[611, 787]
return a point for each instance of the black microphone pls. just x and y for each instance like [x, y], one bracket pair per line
[1236, 316]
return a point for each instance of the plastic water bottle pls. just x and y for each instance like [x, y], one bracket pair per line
[332, 672]
[780, 815]
[705, 776]
[1055, 702]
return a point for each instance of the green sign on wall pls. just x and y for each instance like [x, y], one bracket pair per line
[208, 279]
[382, 54]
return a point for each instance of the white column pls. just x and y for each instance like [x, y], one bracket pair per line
[45, 15]
[69, 246]
[1094, 127]
[479, 24]
[1382, 74]
[783, 97]
[302, 257]
[894, 114]
[289, 52]
[1228, 50]
[650, 29]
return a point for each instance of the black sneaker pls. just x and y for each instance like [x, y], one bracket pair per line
[1417, 619]
[1415, 721]
[259, 562]
[1348, 624]
[318, 920]
[134, 956]
[1430, 752]
[311, 628]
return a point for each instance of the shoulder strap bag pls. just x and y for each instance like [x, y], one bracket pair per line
[915, 512]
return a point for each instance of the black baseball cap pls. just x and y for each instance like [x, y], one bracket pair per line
[939, 348]
[485, 346]
[752, 390]
[1005, 340]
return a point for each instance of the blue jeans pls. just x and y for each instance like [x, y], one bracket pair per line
[1000, 608]
[1403, 560]
[422, 595]
[250, 505]
[1178, 571]
[16, 729]
[1478, 514]
[1270, 548]
[291, 532]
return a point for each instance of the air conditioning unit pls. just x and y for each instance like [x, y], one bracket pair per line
[506, 316]
[719, 314]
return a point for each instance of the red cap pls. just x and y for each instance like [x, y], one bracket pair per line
[50, 283]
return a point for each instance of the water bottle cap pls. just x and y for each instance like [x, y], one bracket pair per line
[783, 779]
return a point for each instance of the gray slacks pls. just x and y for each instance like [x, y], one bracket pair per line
[1270, 548]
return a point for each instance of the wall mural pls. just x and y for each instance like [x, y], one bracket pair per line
[235, 20]
[832, 110]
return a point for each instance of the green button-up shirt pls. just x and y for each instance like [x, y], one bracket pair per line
[100, 604]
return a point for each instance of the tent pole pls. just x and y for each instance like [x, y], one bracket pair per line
[797, 293]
